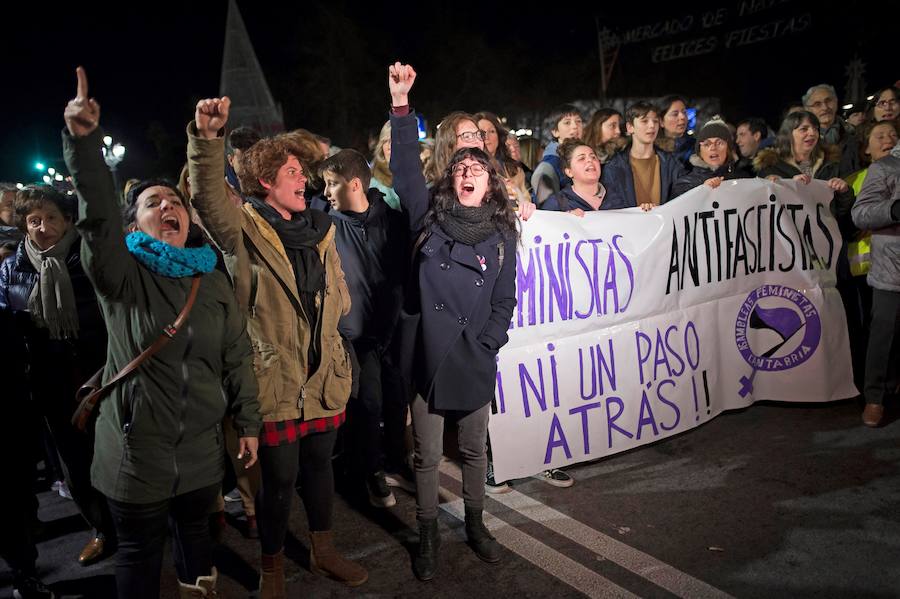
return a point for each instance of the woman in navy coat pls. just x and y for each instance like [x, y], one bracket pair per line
[457, 311]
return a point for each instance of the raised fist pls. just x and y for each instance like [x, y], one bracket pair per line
[211, 116]
[400, 80]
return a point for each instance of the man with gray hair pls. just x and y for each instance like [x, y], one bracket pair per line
[822, 101]
[10, 235]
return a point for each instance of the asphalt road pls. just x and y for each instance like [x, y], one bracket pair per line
[778, 500]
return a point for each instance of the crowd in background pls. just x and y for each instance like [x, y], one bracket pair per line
[316, 300]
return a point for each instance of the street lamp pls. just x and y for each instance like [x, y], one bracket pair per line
[113, 154]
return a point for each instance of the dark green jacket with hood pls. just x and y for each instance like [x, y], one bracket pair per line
[158, 433]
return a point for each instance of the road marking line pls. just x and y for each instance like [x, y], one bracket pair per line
[646, 566]
[546, 558]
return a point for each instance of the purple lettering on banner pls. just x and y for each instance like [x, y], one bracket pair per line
[587, 273]
[608, 368]
[540, 395]
[674, 353]
[500, 397]
[569, 293]
[611, 418]
[525, 283]
[610, 286]
[661, 358]
[646, 416]
[692, 328]
[600, 366]
[557, 439]
[556, 280]
[541, 296]
[642, 357]
[665, 400]
[585, 431]
[595, 285]
[593, 377]
[554, 378]
[628, 269]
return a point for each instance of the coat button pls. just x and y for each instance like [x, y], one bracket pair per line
[439, 307]
[463, 320]
[445, 266]
[479, 282]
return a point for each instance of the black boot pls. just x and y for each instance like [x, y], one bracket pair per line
[480, 540]
[425, 561]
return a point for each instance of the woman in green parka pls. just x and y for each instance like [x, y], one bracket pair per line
[159, 446]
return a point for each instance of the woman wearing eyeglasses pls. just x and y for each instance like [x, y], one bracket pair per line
[456, 131]
[512, 171]
[714, 161]
[885, 104]
[457, 310]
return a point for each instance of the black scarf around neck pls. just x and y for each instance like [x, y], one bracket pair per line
[300, 236]
[468, 225]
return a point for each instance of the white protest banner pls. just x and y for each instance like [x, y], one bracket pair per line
[631, 327]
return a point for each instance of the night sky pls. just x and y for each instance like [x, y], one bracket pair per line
[326, 63]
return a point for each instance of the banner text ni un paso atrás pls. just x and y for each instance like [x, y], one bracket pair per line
[631, 326]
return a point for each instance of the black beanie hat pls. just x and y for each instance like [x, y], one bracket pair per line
[715, 127]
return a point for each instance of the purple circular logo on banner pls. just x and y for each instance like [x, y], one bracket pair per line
[777, 328]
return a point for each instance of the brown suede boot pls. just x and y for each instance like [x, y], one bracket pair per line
[271, 582]
[326, 561]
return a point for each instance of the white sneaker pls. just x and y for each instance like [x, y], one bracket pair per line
[232, 496]
[403, 479]
[379, 493]
[62, 488]
[491, 486]
[555, 477]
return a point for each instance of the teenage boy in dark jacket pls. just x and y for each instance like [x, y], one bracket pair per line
[641, 174]
[372, 241]
[548, 177]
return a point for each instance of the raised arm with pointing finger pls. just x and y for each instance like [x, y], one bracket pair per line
[157, 435]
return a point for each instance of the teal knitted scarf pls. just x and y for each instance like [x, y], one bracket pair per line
[168, 260]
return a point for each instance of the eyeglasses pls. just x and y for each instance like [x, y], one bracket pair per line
[476, 170]
[471, 136]
[886, 103]
[821, 104]
[715, 142]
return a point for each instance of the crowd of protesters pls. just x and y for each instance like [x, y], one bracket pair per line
[287, 301]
